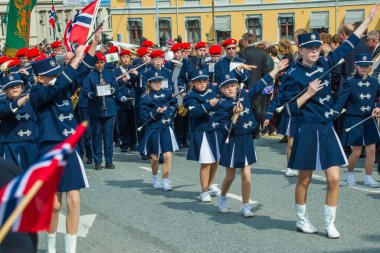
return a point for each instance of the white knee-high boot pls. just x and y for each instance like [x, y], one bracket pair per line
[51, 242]
[70, 243]
[302, 221]
[329, 219]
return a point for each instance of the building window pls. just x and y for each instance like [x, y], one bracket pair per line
[221, 2]
[3, 21]
[163, 3]
[353, 16]
[109, 19]
[319, 22]
[165, 28]
[193, 28]
[222, 27]
[254, 26]
[286, 26]
[135, 31]
[191, 2]
[133, 3]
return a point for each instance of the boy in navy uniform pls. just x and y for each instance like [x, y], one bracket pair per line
[316, 145]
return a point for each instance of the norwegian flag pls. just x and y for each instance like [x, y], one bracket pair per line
[52, 18]
[78, 29]
[37, 214]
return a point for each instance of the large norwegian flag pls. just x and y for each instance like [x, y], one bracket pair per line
[48, 170]
[78, 29]
[52, 18]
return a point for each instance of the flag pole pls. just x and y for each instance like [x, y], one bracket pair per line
[19, 209]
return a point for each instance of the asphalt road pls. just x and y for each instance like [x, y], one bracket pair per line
[131, 216]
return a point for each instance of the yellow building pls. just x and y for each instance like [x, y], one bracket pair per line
[268, 20]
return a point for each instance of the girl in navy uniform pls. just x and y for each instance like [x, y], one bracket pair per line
[316, 145]
[51, 100]
[205, 135]
[238, 124]
[359, 96]
[157, 109]
[19, 135]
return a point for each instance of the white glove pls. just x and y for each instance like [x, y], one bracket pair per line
[123, 99]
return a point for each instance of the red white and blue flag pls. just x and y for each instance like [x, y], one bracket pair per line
[52, 18]
[37, 214]
[78, 29]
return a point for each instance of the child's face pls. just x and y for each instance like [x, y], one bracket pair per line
[14, 91]
[310, 54]
[156, 85]
[125, 60]
[200, 85]
[230, 90]
[363, 70]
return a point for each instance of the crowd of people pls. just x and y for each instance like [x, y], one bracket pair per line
[214, 100]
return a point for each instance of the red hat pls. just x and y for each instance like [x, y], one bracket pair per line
[147, 43]
[200, 45]
[100, 57]
[215, 50]
[3, 59]
[125, 52]
[186, 45]
[56, 44]
[176, 47]
[87, 49]
[40, 57]
[157, 54]
[142, 51]
[14, 62]
[33, 52]
[229, 42]
[113, 49]
[22, 52]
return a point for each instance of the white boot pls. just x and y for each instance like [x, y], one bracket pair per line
[329, 219]
[302, 221]
[50, 242]
[70, 243]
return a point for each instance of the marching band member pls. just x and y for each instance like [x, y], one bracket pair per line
[56, 47]
[23, 68]
[101, 87]
[215, 52]
[186, 46]
[157, 109]
[359, 96]
[19, 135]
[177, 57]
[316, 145]
[126, 76]
[238, 124]
[205, 136]
[51, 100]
[157, 58]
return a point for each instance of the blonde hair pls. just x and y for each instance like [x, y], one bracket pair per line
[357, 72]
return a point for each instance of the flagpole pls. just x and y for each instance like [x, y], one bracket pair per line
[93, 20]
[19, 209]
[52, 2]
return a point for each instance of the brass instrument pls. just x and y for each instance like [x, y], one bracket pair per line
[101, 83]
[182, 110]
[75, 98]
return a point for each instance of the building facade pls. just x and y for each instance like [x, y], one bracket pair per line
[268, 20]
[39, 25]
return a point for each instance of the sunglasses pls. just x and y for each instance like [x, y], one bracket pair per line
[231, 48]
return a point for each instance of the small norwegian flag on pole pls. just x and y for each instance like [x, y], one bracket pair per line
[26, 202]
[79, 28]
[52, 17]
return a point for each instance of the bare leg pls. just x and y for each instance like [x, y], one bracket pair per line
[289, 147]
[154, 164]
[73, 211]
[370, 158]
[246, 183]
[230, 176]
[332, 176]
[304, 179]
[56, 208]
[213, 169]
[167, 164]
[356, 152]
[205, 176]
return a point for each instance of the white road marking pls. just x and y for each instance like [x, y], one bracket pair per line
[148, 169]
[239, 198]
[85, 223]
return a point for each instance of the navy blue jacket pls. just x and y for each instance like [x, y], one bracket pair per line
[222, 68]
[167, 74]
[189, 65]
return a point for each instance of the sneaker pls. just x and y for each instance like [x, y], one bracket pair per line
[291, 173]
[110, 166]
[205, 197]
[351, 179]
[222, 204]
[214, 190]
[157, 182]
[370, 182]
[166, 184]
[284, 139]
[273, 134]
[247, 213]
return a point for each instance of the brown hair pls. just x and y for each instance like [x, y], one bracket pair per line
[325, 37]
[335, 39]
[285, 47]
[272, 50]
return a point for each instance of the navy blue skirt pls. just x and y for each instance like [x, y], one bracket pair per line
[364, 134]
[74, 175]
[158, 141]
[205, 147]
[287, 125]
[316, 146]
[239, 152]
[23, 154]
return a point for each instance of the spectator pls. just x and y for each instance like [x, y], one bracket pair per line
[334, 42]
[373, 44]
[285, 50]
[325, 49]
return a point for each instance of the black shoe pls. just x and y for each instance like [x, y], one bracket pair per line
[284, 140]
[144, 157]
[110, 166]
[89, 161]
[98, 167]
[124, 149]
